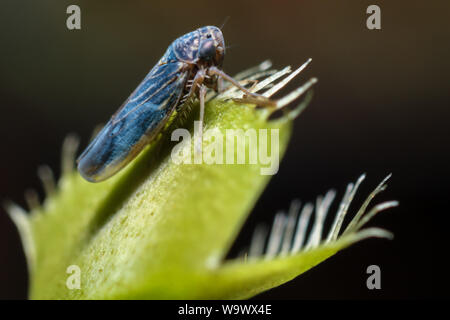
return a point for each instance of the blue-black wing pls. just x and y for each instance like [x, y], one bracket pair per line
[139, 119]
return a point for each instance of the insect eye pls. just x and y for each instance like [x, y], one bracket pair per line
[207, 50]
[208, 36]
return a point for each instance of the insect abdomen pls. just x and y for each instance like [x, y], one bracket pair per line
[135, 124]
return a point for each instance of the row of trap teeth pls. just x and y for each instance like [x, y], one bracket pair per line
[288, 234]
[46, 175]
[271, 83]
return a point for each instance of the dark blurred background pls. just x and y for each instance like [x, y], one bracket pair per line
[381, 105]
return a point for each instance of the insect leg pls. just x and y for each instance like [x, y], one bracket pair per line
[255, 82]
[249, 97]
[197, 82]
[220, 85]
[202, 95]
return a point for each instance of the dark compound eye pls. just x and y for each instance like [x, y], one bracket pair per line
[207, 50]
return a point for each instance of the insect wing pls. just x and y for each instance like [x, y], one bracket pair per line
[140, 118]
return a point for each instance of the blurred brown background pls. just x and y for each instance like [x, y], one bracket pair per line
[381, 105]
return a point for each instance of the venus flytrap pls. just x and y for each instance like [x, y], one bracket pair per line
[160, 230]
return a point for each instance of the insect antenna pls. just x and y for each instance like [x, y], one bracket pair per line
[224, 22]
[231, 46]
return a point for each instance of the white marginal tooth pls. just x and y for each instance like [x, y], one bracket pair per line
[32, 199]
[258, 241]
[259, 75]
[341, 213]
[343, 208]
[318, 217]
[246, 73]
[47, 178]
[22, 222]
[301, 227]
[285, 81]
[265, 65]
[322, 206]
[69, 150]
[290, 226]
[372, 232]
[275, 236]
[272, 78]
[362, 210]
[292, 114]
[296, 93]
[233, 88]
[378, 208]
[236, 93]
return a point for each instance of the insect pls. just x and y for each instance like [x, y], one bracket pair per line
[190, 65]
